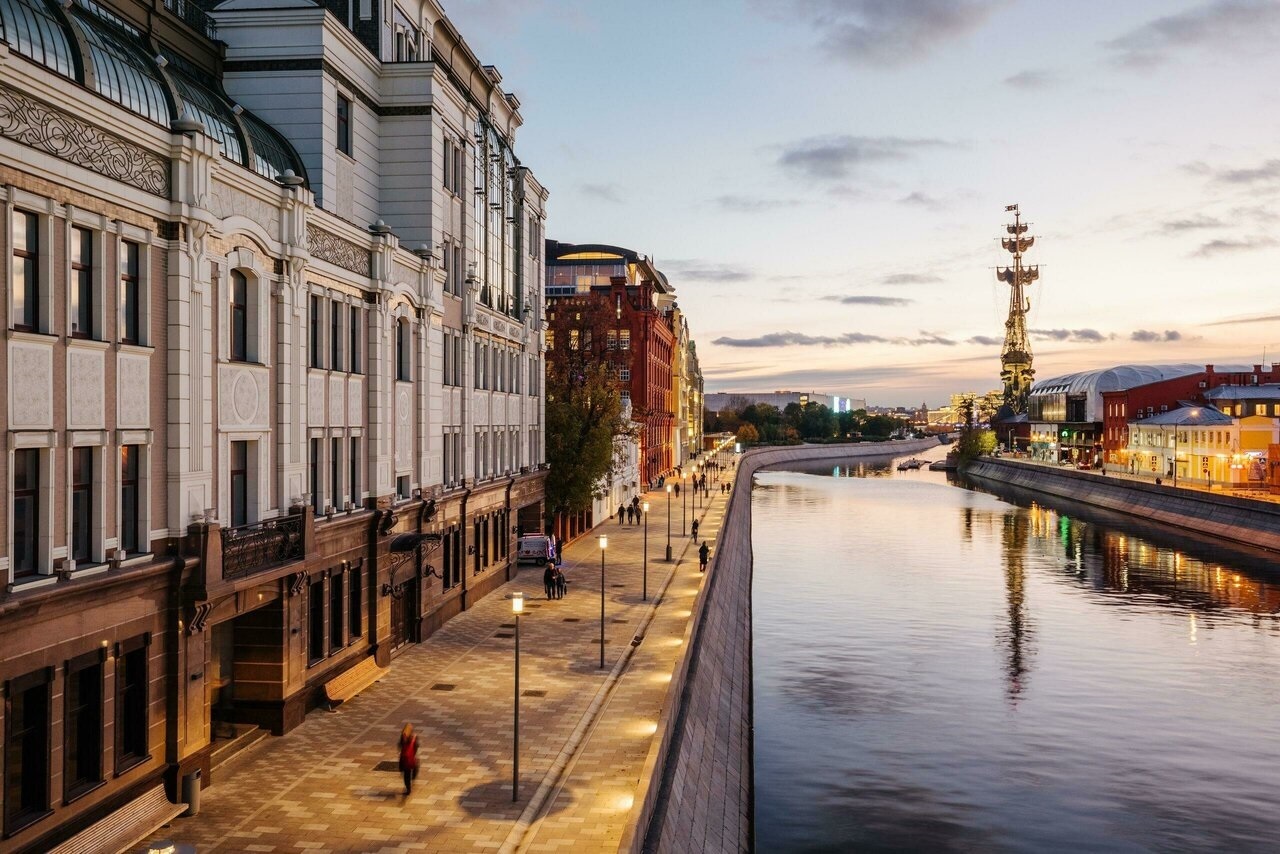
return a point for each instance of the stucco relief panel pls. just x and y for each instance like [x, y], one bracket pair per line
[227, 201]
[30, 385]
[404, 425]
[243, 397]
[315, 400]
[133, 390]
[337, 401]
[355, 402]
[86, 372]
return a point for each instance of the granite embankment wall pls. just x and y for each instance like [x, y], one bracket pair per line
[696, 791]
[1222, 516]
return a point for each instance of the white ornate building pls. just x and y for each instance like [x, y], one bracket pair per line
[273, 299]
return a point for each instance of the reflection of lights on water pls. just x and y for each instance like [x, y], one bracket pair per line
[1192, 629]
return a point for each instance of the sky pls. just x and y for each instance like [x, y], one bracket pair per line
[824, 181]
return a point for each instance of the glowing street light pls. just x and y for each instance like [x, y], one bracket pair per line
[644, 508]
[668, 523]
[517, 608]
[604, 543]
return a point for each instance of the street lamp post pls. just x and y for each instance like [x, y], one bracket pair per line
[645, 577]
[604, 542]
[668, 523]
[1175, 456]
[517, 608]
[684, 501]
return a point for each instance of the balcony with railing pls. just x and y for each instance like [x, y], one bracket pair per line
[193, 16]
[262, 546]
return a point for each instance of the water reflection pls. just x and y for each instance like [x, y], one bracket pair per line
[949, 669]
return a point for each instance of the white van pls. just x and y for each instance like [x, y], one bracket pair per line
[536, 548]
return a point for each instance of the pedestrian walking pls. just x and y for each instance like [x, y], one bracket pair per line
[408, 757]
[677, 490]
[704, 554]
[549, 579]
[693, 530]
[562, 584]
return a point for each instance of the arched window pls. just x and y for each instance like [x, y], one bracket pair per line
[240, 327]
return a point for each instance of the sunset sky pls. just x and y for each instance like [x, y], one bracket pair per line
[823, 180]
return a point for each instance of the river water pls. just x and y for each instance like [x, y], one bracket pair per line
[939, 668]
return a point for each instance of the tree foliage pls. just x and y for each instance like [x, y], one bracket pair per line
[975, 442]
[813, 422]
[584, 418]
[748, 434]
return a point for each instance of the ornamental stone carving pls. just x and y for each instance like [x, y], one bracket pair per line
[355, 402]
[243, 397]
[338, 251]
[224, 201]
[315, 399]
[404, 427]
[337, 402]
[85, 376]
[49, 129]
[30, 385]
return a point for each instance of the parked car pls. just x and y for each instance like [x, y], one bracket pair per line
[536, 548]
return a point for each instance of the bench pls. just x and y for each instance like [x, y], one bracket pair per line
[126, 828]
[353, 681]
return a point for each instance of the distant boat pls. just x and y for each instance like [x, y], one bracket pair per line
[947, 464]
[910, 465]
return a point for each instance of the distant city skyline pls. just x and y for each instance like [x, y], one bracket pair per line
[823, 181]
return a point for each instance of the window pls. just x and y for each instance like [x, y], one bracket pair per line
[316, 350]
[82, 504]
[402, 351]
[82, 727]
[129, 498]
[477, 366]
[573, 339]
[624, 339]
[624, 374]
[354, 480]
[26, 271]
[26, 749]
[551, 339]
[130, 299]
[131, 704]
[337, 601]
[26, 512]
[315, 476]
[354, 331]
[355, 580]
[335, 470]
[335, 336]
[315, 622]
[446, 559]
[239, 484]
[344, 125]
[402, 488]
[81, 283]
[612, 342]
[239, 317]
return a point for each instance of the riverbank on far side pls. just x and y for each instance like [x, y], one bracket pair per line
[1249, 522]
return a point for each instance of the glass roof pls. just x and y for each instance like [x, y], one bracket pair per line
[122, 71]
[121, 67]
[31, 29]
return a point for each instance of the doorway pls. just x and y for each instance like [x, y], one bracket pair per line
[404, 614]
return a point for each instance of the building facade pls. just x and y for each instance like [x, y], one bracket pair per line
[613, 304]
[274, 298]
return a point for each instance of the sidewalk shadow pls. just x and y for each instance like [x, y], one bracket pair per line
[486, 799]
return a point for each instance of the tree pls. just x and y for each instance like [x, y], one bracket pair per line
[975, 442]
[584, 417]
[817, 421]
[748, 435]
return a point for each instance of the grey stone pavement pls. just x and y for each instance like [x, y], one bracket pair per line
[332, 783]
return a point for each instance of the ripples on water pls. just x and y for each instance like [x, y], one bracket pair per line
[943, 669]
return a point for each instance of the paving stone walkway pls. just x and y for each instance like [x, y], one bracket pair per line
[332, 783]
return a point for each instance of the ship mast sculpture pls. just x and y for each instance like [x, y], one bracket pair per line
[1015, 358]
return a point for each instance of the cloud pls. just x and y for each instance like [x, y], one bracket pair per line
[922, 200]
[1032, 78]
[800, 339]
[1224, 246]
[1076, 336]
[1146, 336]
[910, 279]
[703, 271]
[1231, 26]
[751, 204]
[868, 300]
[1268, 318]
[1195, 223]
[831, 158]
[1264, 173]
[985, 340]
[603, 192]
[887, 33]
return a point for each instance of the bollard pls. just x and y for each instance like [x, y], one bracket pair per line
[191, 792]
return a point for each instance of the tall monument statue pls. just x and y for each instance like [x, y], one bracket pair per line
[1015, 359]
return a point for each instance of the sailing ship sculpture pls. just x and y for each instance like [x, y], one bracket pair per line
[1015, 358]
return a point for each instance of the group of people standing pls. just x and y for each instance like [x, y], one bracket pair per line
[630, 512]
[554, 581]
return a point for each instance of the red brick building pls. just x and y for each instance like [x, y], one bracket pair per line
[1124, 405]
[612, 304]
